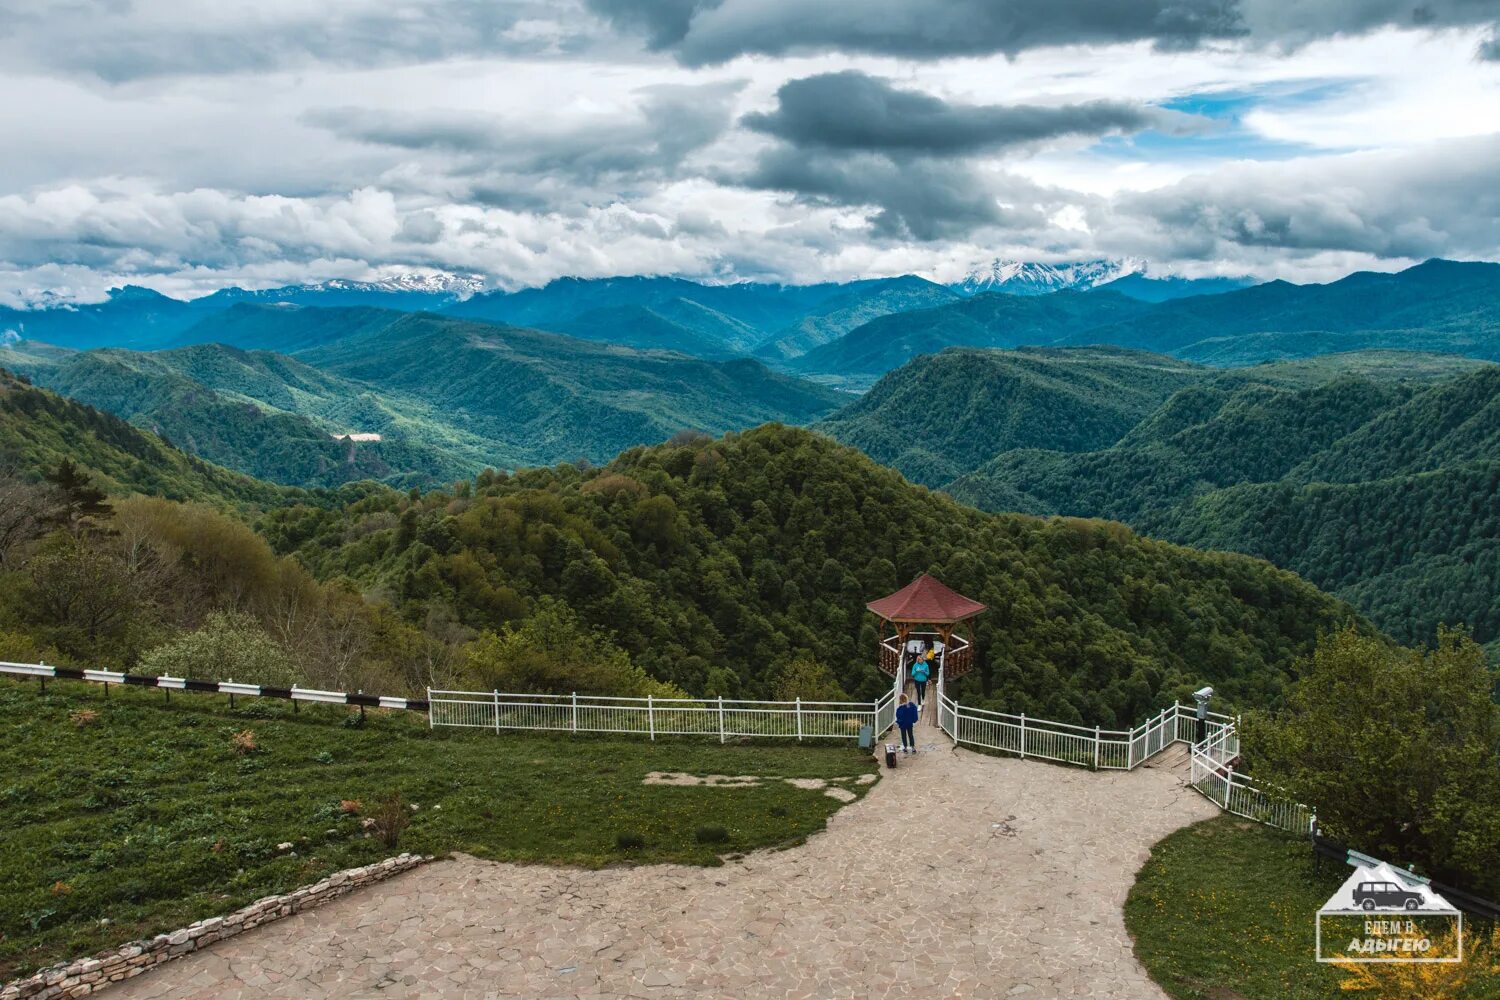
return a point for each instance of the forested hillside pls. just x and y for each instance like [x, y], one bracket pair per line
[1385, 493]
[737, 566]
[717, 564]
[259, 413]
[859, 304]
[447, 397]
[993, 319]
[39, 430]
[552, 398]
[946, 414]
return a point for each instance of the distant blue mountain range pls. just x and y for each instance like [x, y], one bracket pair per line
[774, 322]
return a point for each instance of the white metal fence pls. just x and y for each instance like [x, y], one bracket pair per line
[1213, 775]
[1096, 747]
[650, 716]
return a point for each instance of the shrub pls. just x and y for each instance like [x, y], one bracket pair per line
[391, 818]
[229, 646]
[84, 717]
[806, 678]
[629, 841]
[711, 834]
[554, 652]
[244, 742]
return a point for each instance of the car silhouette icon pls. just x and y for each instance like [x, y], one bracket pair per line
[1386, 895]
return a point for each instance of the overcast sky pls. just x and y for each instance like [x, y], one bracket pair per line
[192, 145]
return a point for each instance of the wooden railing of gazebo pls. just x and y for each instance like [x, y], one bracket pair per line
[958, 653]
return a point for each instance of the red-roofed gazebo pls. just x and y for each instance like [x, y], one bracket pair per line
[927, 606]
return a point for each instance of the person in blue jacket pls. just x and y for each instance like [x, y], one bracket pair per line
[906, 718]
[920, 672]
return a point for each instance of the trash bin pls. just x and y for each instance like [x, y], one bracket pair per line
[866, 737]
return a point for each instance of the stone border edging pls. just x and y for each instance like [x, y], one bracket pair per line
[83, 976]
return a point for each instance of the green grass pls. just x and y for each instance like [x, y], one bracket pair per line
[149, 819]
[1224, 910]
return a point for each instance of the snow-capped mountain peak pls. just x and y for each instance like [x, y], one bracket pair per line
[424, 289]
[459, 286]
[1017, 277]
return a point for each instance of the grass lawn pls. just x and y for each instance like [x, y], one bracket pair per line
[1224, 911]
[146, 817]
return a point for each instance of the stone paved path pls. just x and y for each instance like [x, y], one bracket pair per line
[958, 875]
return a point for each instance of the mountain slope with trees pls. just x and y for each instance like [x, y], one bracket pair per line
[553, 398]
[259, 413]
[862, 302]
[946, 414]
[1385, 493]
[40, 430]
[448, 397]
[720, 564]
[737, 565]
[991, 319]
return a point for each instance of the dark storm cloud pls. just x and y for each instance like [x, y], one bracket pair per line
[713, 31]
[854, 111]
[927, 200]
[1489, 49]
[670, 122]
[854, 140]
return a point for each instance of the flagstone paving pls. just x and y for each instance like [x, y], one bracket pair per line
[958, 875]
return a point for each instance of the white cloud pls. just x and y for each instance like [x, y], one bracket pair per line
[144, 142]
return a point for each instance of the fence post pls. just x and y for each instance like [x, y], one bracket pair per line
[575, 711]
[651, 715]
[497, 711]
[799, 718]
[721, 718]
[1096, 748]
[1228, 785]
[429, 706]
[1023, 735]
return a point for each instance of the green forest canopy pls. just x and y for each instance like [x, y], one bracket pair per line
[722, 566]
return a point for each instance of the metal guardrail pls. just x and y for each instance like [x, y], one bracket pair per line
[44, 672]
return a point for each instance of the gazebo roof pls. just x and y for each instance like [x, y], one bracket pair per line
[927, 601]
